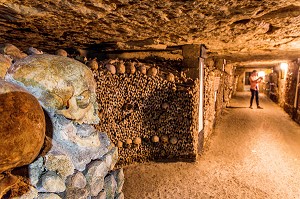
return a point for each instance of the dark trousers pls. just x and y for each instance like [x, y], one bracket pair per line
[254, 93]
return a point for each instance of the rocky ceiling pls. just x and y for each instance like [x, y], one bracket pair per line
[238, 30]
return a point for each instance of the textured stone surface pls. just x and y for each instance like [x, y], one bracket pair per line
[35, 170]
[61, 84]
[81, 149]
[119, 177]
[235, 28]
[111, 158]
[78, 180]
[110, 186]
[101, 195]
[95, 174]
[78, 193]
[120, 196]
[59, 163]
[48, 196]
[51, 182]
[5, 62]
[22, 126]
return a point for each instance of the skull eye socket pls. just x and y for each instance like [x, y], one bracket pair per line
[83, 100]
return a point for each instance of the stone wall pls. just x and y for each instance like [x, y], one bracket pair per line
[65, 169]
[273, 92]
[240, 79]
[149, 109]
[219, 87]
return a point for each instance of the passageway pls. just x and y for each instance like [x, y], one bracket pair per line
[254, 153]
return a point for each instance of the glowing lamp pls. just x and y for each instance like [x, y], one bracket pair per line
[261, 74]
[284, 66]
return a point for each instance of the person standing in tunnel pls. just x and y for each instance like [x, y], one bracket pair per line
[254, 81]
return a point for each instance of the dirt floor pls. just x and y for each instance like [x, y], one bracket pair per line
[254, 153]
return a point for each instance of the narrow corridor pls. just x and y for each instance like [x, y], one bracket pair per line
[254, 153]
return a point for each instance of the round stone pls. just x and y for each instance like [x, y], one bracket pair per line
[22, 126]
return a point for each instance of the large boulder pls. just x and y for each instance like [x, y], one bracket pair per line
[22, 126]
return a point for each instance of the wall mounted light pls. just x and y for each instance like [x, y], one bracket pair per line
[261, 74]
[284, 67]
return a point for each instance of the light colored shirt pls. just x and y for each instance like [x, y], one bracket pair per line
[254, 80]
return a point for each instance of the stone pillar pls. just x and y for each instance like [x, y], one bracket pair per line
[191, 54]
[193, 63]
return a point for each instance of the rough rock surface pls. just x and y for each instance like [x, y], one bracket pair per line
[51, 182]
[101, 195]
[226, 27]
[5, 62]
[78, 193]
[110, 186]
[81, 149]
[61, 84]
[95, 174]
[48, 196]
[35, 170]
[119, 177]
[78, 180]
[22, 126]
[59, 163]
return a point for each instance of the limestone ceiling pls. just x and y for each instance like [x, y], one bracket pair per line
[239, 30]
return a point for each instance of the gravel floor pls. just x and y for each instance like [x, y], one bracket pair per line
[254, 153]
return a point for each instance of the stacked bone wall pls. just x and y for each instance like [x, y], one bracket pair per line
[149, 117]
[218, 89]
[283, 89]
[290, 106]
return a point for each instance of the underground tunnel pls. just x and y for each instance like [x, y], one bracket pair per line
[149, 99]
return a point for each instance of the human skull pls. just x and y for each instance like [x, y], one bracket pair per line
[22, 126]
[61, 84]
